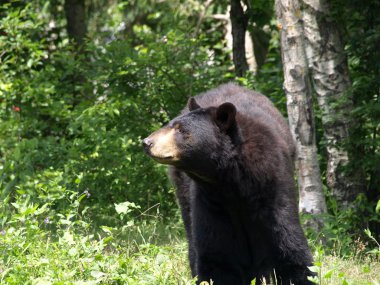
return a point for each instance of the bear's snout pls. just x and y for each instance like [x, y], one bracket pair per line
[147, 144]
[161, 146]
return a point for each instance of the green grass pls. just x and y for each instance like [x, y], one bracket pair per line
[356, 271]
[112, 256]
[147, 252]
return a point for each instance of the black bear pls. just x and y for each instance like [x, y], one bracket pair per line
[231, 158]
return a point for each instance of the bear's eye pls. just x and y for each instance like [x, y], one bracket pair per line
[178, 128]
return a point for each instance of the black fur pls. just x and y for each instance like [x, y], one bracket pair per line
[236, 190]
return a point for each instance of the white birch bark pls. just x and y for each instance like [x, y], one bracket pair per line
[329, 69]
[298, 91]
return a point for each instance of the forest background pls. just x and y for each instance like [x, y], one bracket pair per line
[82, 82]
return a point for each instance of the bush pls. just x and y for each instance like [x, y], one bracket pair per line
[80, 116]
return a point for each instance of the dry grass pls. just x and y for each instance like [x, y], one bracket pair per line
[355, 271]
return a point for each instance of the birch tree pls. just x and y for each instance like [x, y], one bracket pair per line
[329, 70]
[298, 91]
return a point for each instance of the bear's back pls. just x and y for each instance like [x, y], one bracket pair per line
[251, 106]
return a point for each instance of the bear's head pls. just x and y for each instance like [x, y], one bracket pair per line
[194, 139]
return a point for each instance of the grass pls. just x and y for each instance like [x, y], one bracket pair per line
[34, 251]
[356, 271]
[133, 254]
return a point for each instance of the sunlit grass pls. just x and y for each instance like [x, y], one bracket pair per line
[363, 271]
[147, 251]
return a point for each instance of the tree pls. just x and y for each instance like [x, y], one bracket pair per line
[298, 91]
[239, 22]
[77, 29]
[329, 70]
[76, 20]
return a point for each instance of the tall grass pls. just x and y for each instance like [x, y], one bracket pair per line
[35, 250]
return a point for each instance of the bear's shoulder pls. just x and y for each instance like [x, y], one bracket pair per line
[256, 114]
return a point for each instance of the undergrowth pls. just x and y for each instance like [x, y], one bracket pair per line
[71, 251]
[141, 250]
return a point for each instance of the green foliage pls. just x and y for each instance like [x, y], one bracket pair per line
[132, 254]
[332, 270]
[346, 229]
[76, 120]
[375, 251]
[147, 252]
[80, 203]
[361, 33]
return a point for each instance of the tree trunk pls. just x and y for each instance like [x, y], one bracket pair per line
[76, 30]
[239, 23]
[298, 91]
[260, 45]
[76, 20]
[250, 46]
[329, 70]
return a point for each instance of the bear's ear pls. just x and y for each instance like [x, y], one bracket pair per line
[225, 116]
[192, 104]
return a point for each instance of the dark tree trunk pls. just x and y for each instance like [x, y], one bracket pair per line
[76, 20]
[260, 45]
[239, 23]
[77, 30]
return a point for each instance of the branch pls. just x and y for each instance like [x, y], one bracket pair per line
[202, 17]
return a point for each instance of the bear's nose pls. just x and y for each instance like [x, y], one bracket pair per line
[147, 144]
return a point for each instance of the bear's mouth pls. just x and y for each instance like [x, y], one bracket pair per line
[165, 159]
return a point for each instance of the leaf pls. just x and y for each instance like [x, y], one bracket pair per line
[41, 210]
[378, 207]
[17, 206]
[125, 207]
[97, 274]
[73, 251]
[81, 197]
[368, 233]
[106, 229]
[30, 63]
[313, 279]
[328, 274]
[313, 268]
[68, 238]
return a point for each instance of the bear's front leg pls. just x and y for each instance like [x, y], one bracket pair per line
[222, 250]
[293, 274]
[293, 256]
[218, 276]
